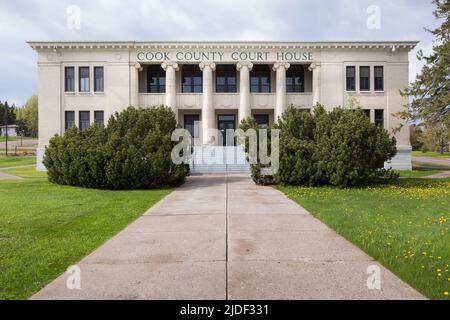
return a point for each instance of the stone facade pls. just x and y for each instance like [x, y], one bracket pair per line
[126, 81]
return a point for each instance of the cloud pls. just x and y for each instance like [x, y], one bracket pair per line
[295, 20]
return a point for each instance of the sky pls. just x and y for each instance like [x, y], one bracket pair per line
[195, 20]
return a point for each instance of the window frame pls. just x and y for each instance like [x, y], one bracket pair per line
[191, 72]
[377, 79]
[66, 79]
[153, 71]
[80, 78]
[228, 72]
[80, 120]
[378, 120]
[352, 89]
[96, 89]
[103, 117]
[361, 82]
[260, 115]
[293, 87]
[66, 122]
[259, 75]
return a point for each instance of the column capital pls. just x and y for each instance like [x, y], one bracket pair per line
[242, 64]
[279, 65]
[210, 64]
[313, 66]
[173, 65]
[137, 65]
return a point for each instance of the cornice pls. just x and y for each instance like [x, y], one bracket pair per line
[131, 45]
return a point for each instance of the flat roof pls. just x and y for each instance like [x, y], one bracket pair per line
[42, 45]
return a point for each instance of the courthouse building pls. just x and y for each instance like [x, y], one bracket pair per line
[214, 85]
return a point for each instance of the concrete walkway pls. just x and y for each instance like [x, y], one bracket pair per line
[222, 237]
[7, 176]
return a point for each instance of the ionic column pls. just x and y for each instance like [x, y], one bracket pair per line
[171, 92]
[315, 68]
[134, 84]
[280, 106]
[244, 69]
[207, 107]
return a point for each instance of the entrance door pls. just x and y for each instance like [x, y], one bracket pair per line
[191, 124]
[226, 122]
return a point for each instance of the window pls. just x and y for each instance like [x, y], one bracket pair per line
[260, 78]
[69, 119]
[84, 79]
[191, 79]
[69, 79]
[367, 112]
[99, 80]
[99, 118]
[262, 120]
[364, 78]
[379, 117]
[351, 78]
[226, 78]
[84, 119]
[156, 79]
[191, 124]
[379, 78]
[295, 79]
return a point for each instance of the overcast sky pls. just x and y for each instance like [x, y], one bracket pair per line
[290, 20]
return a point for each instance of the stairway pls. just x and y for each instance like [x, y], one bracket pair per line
[212, 159]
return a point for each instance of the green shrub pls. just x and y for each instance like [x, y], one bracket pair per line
[340, 148]
[132, 152]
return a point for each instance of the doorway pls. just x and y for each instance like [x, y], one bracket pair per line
[226, 122]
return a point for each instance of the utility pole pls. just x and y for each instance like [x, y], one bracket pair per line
[6, 129]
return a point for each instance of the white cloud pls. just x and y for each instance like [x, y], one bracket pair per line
[302, 20]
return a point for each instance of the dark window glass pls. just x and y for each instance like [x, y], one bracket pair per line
[367, 112]
[226, 78]
[379, 117]
[191, 122]
[69, 79]
[84, 79]
[84, 119]
[351, 78]
[364, 78]
[99, 118]
[99, 81]
[379, 78]
[191, 79]
[260, 78]
[156, 79]
[295, 79]
[69, 119]
[262, 120]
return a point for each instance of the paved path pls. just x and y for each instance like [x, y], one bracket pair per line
[222, 237]
[437, 161]
[7, 176]
[440, 175]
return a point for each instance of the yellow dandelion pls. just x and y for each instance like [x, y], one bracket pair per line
[446, 293]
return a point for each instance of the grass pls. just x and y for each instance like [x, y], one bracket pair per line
[3, 138]
[404, 225]
[446, 155]
[418, 173]
[429, 166]
[44, 228]
[11, 161]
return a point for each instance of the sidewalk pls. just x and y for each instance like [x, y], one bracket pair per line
[222, 237]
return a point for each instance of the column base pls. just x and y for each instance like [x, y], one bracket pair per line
[402, 160]
[39, 159]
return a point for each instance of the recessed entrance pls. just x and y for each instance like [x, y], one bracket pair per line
[226, 122]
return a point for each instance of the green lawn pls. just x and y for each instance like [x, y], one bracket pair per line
[12, 161]
[431, 154]
[3, 138]
[44, 228]
[418, 173]
[404, 225]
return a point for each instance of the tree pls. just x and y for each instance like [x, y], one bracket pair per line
[29, 115]
[10, 111]
[430, 91]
